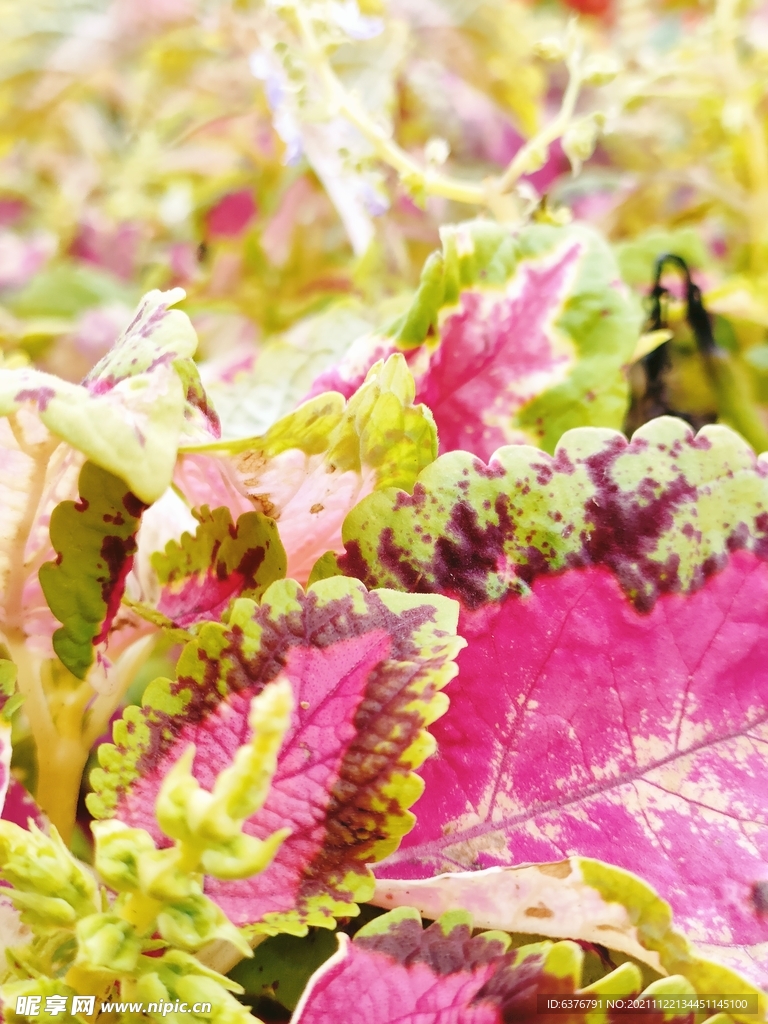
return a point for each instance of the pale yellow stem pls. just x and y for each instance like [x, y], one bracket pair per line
[427, 179]
[519, 165]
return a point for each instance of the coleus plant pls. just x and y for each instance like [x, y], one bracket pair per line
[590, 754]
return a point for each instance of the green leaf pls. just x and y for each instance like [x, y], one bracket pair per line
[637, 256]
[282, 965]
[67, 289]
[95, 539]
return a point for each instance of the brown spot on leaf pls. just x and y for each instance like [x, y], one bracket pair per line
[262, 503]
[559, 869]
[539, 911]
[759, 897]
[249, 463]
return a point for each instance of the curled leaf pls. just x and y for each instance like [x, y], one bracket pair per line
[578, 898]
[128, 415]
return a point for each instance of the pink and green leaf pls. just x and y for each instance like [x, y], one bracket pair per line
[397, 972]
[315, 464]
[613, 698]
[512, 338]
[366, 669]
[201, 575]
[95, 542]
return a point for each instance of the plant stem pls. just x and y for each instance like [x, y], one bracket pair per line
[430, 181]
[103, 707]
[519, 165]
[60, 770]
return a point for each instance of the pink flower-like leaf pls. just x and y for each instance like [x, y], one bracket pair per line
[366, 670]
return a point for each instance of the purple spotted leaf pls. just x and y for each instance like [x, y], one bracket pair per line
[201, 575]
[397, 972]
[157, 336]
[366, 670]
[612, 701]
[127, 419]
[127, 416]
[512, 338]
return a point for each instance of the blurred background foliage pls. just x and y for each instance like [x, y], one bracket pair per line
[262, 155]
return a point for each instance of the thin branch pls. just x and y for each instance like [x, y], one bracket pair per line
[519, 165]
[175, 633]
[434, 182]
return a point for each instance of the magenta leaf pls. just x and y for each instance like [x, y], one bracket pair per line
[200, 575]
[511, 338]
[20, 807]
[396, 972]
[366, 670]
[613, 698]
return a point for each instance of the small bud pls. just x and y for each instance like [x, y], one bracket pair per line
[196, 921]
[107, 942]
[118, 850]
[181, 799]
[437, 151]
[241, 789]
[579, 142]
[535, 158]
[33, 862]
[43, 913]
[146, 989]
[160, 877]
[557, 215]
[599, 69]
[549, 48]
[243, 856]
[196, 988]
